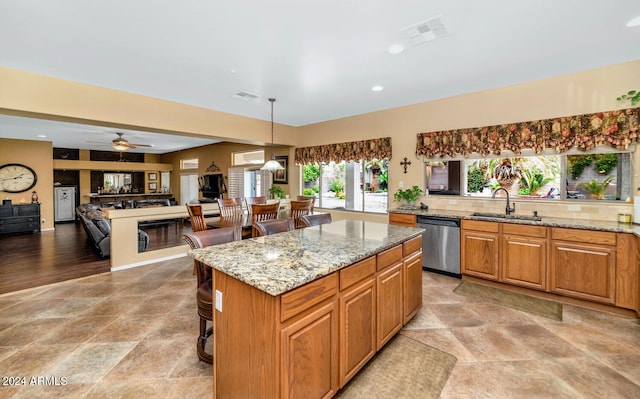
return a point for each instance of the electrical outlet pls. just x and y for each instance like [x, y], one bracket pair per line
[42, 220]
[452, 202]
[401, 184]
[219, 301]
[576, 208]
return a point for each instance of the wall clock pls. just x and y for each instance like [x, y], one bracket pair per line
[16, 178]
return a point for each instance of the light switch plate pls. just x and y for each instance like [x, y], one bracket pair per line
[219, 301]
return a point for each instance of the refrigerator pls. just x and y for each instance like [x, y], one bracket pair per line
[64, 203]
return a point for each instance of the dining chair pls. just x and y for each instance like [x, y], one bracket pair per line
[254, 200]
[300, 208]
[204, 285]
[261, 213]
[308, 198]
[196, 217]
[230, 207]
[315, 219]
[268, 227]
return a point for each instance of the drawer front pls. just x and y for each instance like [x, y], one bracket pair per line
[389, 257]
[479, 225]
[411, 246]
[302, 298]
[584, 236]
[524, 230]
[356, 272]
[402, 219]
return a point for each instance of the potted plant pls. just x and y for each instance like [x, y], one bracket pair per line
[277, 192]
[595, 188]
[408, 196]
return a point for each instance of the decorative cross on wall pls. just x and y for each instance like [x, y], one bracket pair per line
[405, 163]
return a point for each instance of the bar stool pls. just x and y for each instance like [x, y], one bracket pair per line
[204, 297]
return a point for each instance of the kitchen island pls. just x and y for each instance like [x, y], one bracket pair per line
[297, 314]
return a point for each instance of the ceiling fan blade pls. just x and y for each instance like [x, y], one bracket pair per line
[139, 145]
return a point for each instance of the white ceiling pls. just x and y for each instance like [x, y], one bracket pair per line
[318, 58]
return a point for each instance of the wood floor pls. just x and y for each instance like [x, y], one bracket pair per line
[33, 260]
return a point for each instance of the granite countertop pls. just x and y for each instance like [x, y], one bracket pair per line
[585, 224]
[281, 262]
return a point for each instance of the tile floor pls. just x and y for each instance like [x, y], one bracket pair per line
[131, 334]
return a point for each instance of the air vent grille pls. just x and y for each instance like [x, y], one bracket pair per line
[243, 95]
[425, 31]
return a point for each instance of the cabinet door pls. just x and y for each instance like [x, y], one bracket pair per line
[389, 303]
[310, 354]
[583, 271]
[357, 328]
[479, 254]
[402, 219]
[412, 285]
[524, 261]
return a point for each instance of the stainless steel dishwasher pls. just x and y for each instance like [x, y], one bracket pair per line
[440, 244]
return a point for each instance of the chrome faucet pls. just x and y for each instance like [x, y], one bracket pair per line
[509, 209]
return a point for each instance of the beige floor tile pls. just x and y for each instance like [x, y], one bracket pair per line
[523, 379]
[113, 306]
[51, 391]
[593, 379]
[456, 315]
[177, 287]
[127, 328]
[35, 360]
[77, 330]
[627, 365]
[149, 359]
[157, 305]
[91, 361]
[27, 331]
[489, 343]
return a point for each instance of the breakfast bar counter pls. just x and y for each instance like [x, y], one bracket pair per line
[297, 314]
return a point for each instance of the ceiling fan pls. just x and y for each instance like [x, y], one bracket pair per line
[121, 144]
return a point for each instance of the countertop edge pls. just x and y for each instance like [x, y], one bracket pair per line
[598, 225]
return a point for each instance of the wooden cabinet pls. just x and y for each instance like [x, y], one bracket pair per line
[389, 303]
[480, 249]
[402, 219]
[357, 327]
[310, 354]
[20, 218]
[390, 293]
[524, 256]
[412, 273]
[583, 264]
[310, 341]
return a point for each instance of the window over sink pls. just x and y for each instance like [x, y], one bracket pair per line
[601, 174]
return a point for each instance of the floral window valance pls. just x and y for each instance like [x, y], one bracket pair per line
[350, 151]
[615, 129]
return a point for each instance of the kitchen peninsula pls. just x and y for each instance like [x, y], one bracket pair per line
[297, 314]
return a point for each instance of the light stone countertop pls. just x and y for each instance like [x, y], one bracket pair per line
[281, 262]
[584, 224]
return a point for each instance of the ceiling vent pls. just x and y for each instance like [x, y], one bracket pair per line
[425, 31]
[243, 95]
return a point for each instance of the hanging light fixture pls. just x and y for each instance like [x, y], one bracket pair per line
[272, 165]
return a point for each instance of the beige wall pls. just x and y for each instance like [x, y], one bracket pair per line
[578, 93]
[39, 156]
[28, 94]
[219, 153]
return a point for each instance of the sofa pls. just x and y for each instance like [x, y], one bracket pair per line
[98, 230]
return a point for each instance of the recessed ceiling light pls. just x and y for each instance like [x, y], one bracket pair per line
[634, 22]
[395, 48]
[42, 136]
[377, 88]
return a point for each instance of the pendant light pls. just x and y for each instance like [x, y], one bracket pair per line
[272, 165]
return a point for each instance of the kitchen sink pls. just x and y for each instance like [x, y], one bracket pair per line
[490, 215]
